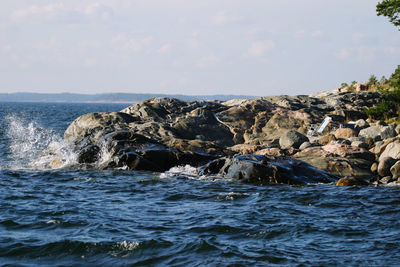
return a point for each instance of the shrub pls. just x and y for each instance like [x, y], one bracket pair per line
[381, 111]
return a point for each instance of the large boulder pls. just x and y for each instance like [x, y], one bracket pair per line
[384, 166]
[392, 150]
[338, 159]
[388, 132]
[373, 132]
[262, 170]
[292, 139]
[95, 125]
[202, 124]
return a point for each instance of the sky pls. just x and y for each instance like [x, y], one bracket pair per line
[252, 47]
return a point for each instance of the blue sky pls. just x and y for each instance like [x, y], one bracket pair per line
[254, 47]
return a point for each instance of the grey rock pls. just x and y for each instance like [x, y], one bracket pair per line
[384, 166]
[95, 125]
[388, 132]
[292, 139]
[392, 150]
[373, 132]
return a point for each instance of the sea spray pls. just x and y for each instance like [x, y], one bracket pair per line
[35, 147]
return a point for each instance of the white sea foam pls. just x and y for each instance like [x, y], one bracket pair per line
[186, 170]
[105, 154]
[35, 147]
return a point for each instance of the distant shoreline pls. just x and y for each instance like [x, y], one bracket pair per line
[118, 98]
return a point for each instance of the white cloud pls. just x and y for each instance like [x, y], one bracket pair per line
[259, 48]
[59, 11]
[98, 10]
[44, 12]
[208, 61]
[299, 33]
[317, 33]
[193, 43]
[165, 49]
[366, 53]
[344, 53]
[223, 18]
[90, 62]
[126, 43]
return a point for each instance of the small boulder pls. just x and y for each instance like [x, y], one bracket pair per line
[384, 166]
[345, 133]
[397, 129]
[388, 132]
[361, 124]
[395, 170]
[386, 180]
[326, 139]
[350, 181]
[359, 144]
[373, 132]
[305, 145]
[292, 139]
[374, 168]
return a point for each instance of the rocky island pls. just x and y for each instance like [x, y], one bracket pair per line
[264, 140]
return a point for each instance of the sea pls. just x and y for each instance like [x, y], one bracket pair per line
[74, 216]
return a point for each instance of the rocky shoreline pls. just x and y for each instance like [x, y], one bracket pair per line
[264, 140]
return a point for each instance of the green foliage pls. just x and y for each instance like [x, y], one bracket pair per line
[394, 80]
[382, 111]
[390, 9]
[372, 80]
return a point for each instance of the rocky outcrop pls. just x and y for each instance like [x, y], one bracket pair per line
[160, 133]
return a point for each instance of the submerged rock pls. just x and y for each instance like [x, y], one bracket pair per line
[350, 181]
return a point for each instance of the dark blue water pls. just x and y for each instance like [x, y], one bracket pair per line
[74, 217]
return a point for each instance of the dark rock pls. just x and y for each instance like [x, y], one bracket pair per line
[261, 170]
[88, 154]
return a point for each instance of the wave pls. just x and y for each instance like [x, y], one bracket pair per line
[33, 146]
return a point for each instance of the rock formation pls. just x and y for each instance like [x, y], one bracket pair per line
[269, 133]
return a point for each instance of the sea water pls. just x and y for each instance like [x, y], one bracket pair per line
[77, 217]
